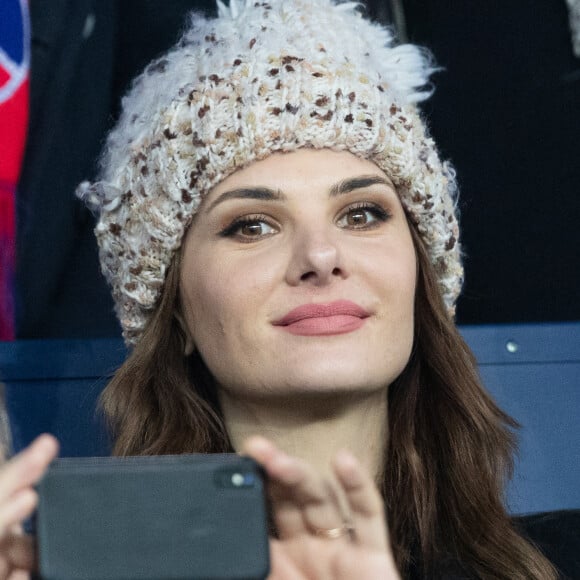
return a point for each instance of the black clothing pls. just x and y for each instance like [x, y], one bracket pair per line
[506, 112]
[59, 289]
[556, 534]
[84, 53]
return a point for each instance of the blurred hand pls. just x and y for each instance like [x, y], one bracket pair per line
[316, 539]
[17, 502]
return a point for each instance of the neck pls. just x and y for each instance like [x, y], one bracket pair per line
[314, 428]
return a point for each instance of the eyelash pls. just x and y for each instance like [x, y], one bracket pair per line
[378, 212]
[232, 230]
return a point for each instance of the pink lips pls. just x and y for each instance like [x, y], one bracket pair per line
[337, 317]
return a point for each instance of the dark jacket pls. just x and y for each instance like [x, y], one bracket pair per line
[556, 534]
[59, 289]
[83, 55]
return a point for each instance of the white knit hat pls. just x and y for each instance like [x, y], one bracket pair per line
[262, 77]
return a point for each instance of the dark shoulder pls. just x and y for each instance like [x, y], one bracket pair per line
[557, 535]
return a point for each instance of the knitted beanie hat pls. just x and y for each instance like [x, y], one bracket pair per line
[262, 77]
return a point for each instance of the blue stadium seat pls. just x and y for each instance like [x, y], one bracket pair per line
[53, 386]
[532, 370]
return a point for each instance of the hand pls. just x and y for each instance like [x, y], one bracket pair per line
[306, 508]
[17, 502]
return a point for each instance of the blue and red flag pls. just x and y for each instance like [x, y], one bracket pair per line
[14, 68]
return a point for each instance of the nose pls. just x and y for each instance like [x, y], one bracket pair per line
[316, 258]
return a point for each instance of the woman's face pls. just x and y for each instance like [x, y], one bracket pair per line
[298, 276]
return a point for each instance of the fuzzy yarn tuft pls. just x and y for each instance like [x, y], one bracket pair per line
[263, 76]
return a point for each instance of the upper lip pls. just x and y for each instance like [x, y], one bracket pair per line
[337, 308]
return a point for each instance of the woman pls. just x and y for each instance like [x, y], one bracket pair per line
[282, 244]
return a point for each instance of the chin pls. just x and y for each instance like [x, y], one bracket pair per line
[335, 379]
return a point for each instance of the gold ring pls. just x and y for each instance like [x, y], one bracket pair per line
[335, 533]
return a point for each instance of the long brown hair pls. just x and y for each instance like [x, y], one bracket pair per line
[448, 456]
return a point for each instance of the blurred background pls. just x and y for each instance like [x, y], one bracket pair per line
[506, 111]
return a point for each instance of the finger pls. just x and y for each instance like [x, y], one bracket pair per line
[19, 553]
[282, 566]
[26, 468]
[262, 451]
[366, 505]
[303, 502]
[16, 509]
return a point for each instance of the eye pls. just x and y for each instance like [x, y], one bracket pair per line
[249, 229]
[362, 216]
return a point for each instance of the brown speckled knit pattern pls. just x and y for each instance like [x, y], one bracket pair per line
[262, 77]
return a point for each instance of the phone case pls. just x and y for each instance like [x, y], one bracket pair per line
[163, 517]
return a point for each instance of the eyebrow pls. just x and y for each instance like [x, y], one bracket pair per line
[267, 194]
[262, 193]
[348, 185]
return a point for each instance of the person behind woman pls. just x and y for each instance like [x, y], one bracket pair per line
[282, 243]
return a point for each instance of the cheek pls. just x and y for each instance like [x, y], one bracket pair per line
[224, 301]
[205, 297]
[405, 275]
[394, 269]
[221, 295]
[397, 280]
[406, 266]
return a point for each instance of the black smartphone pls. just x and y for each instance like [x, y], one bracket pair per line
[163, 517]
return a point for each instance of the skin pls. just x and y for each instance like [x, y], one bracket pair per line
[17, 502]
[302, 504]
[308, 247]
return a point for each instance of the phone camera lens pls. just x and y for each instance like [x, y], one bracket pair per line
[242, 479]
[238, 479]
